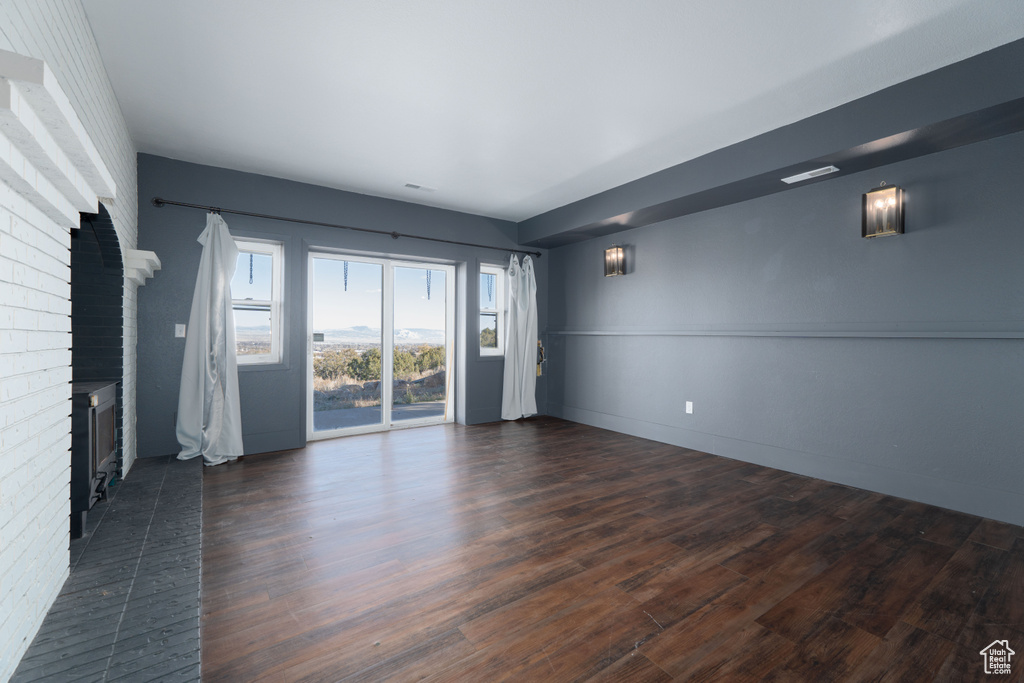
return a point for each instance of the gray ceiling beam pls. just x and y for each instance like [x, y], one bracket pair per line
[973, 100]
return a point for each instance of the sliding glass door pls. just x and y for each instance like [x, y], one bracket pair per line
[421, 344]
[347, 302]
[380, 344]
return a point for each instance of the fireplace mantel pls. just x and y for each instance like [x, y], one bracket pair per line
[46, 155]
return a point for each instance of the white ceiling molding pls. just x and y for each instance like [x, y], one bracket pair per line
[139, 265]
[45, 153]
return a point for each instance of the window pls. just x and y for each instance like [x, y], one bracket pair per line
[492, 310]
[256, 301]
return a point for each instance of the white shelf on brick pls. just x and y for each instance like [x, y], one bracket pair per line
[139, 265]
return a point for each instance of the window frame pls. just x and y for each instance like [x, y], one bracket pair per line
[275, 306]
[500, 273]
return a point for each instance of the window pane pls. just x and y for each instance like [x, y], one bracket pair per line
[252, 332]
[419, 390]
[347, 301]
[262, 277]
[488, 291]
[489, 330]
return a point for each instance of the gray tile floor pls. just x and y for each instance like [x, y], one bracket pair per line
[129, 610]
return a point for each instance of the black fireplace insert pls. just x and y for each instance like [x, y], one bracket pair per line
[93, 447]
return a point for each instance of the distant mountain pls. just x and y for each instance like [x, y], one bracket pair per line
[252, 333]
[419, 335]
[362, 333]
[355, 335]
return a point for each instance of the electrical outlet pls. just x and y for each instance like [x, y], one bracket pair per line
[179, 330]
[689, 407]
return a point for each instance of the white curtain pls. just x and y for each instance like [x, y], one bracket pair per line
[519, 391]
[209, 417]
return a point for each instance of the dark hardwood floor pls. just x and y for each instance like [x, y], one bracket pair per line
[550, 551]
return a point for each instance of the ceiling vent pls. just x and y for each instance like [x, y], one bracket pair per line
[421, 188]
[824, 170]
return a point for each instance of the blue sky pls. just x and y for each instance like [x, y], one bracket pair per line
[260, 287]
[360, 305]
[488, 294]
[336, 308]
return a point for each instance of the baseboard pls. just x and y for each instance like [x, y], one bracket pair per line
[995, 504]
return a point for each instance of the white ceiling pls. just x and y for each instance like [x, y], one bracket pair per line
[508, 108]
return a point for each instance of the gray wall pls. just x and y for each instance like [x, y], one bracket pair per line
[894, 364]
[274, 397]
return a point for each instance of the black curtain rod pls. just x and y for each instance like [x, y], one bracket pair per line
[159, 202]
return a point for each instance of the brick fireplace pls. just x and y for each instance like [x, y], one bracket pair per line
[50, 171]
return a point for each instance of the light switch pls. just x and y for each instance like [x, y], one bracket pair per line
[179, 329]
[689, 407]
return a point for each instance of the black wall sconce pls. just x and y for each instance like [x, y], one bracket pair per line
[614, 261]
[882, 212]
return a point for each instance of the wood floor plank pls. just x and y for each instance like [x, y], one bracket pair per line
[690, 643]
[952, 596]
[881, 600]
[870, 589]
[799, 613]
[951, 528]
[670, 599]
[607, 626]
[1000, 612]
[907, 655]
[399, 624]
[928, 522]
[750, 655]
[593, 646]
[632, 668]
[859, 526]
[523, 614]
[830, 652]
[760, 556]
[426, 656]
[965, 664]
[546, 550]
[997, 534]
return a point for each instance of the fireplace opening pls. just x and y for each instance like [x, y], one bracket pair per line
[97, 360]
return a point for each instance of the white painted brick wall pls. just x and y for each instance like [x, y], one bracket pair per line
[58, 32]
[35, 404]
[35, 337]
